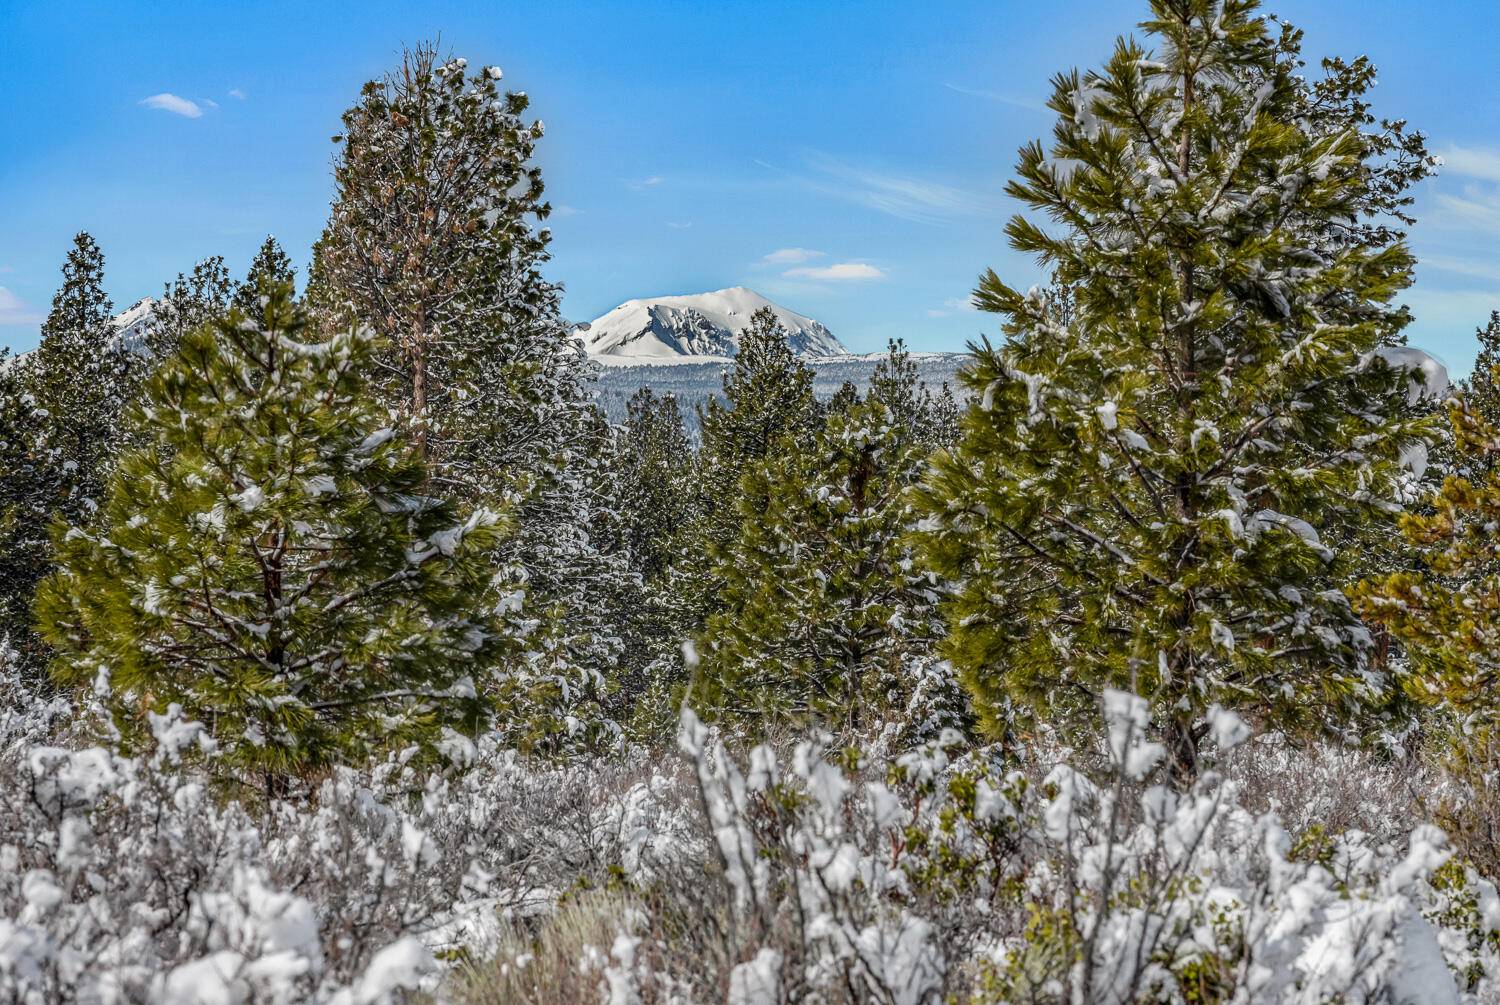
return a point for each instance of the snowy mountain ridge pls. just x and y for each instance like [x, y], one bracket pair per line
[696, 328]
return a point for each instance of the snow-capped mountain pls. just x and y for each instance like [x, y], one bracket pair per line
[132, 325]
[676, 329]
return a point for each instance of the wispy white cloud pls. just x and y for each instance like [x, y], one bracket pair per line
[651, 182]
[791, 256]
[838, 272]
[905, 197]
[15, 311]
[999, 98]
[1472, 162]
[953, 305]
[564, 210]
[679, 226]
[1472, 268]
[237, 94]
[172, 103]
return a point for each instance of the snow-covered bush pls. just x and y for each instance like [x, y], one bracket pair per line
[133, 880]
[801, 871]
[940, 876]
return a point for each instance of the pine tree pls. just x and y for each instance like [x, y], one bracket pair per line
[1166, 445]
[25, 513]
[187, 304]
[824, 612]
[656, 471]
[434, 239]
[81, 379]
[270, 560]
[931, 418]
[767, 404]
[1447, 612]
[268, 269]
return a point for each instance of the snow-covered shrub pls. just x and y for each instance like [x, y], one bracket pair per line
[798, 871]
[133, 880]
[941, 876]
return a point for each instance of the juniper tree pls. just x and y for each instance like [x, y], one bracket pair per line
[435, 240]
[270, 560]
[1165, 447]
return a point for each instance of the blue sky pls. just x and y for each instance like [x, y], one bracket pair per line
[686, 143]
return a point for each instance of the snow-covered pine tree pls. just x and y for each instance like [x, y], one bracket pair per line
[656, 473]
[268, 269]
[932, 417]
[824, 612]
[81, 379]
[1137, 498]
[434, 239]
[188, 303]
[767, 406]
[25, 514]
[270, 559]
[655, 466]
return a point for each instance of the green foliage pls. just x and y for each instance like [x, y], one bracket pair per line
[269, 269]
[1447, 614]
[435, 240]
[1171, 457]
[271, 560]
[60, 413]
[824, 611]
[768, 409]
[188, 303]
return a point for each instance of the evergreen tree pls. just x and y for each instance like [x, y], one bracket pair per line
[270, 561]
[656, 468]
[81, 379]
[187, 304]
[767, 405]
[25, 513]
[1447, 613]
[824, 611]
[932, 418]
[61, 410]
[434, 240]
[269, 269]
[1139, 491]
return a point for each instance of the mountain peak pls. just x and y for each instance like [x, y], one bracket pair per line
[668, 329]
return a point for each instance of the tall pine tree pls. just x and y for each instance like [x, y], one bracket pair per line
[435, 240]
[62, 407]
[1138, 494]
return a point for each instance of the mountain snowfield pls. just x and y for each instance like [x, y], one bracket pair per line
[698, 328]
